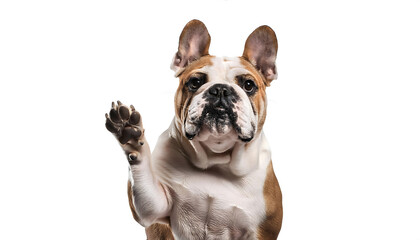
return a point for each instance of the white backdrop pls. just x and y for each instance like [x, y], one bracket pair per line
[343, 117]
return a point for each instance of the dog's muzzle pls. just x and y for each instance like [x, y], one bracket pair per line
[218, 112]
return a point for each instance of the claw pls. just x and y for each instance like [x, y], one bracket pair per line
[113, 105]
[132, 108]
[119, 103]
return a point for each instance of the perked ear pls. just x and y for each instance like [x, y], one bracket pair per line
[194, 43]
[261, 51]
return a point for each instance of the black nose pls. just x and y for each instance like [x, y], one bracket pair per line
[220, 90]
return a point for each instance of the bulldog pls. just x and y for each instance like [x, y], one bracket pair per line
[210, 175]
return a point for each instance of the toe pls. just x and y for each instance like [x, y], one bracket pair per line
[124, 112]
[114, 116]
[110, 126]
[135, 118]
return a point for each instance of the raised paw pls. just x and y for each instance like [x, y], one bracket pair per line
[125, 123]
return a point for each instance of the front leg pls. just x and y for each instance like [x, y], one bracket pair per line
[150, 198]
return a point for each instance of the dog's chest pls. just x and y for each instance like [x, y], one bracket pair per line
[211, 206]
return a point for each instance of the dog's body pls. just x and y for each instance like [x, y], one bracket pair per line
[210, 175]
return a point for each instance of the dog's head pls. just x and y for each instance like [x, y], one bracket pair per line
[221, 97]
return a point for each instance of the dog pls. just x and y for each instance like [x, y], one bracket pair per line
[210, 175]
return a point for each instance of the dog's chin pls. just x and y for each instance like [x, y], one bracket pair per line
[216, 141]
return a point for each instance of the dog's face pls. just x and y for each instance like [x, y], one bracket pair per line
[218, 96]
[223, 98]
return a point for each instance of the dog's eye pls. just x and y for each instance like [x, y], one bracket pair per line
[195, 82]
[247, 83]
[248, 86]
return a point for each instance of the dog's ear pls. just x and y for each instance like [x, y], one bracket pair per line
[194, 43]
[261, 51]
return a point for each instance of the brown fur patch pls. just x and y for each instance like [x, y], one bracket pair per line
[130, 201]
[201, 62]
[183, 96]
[259, 99]
[159, 231]
[270, 227]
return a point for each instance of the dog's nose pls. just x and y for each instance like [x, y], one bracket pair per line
[220, 90]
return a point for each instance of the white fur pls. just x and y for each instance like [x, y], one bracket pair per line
[149, 196]
[213, 203]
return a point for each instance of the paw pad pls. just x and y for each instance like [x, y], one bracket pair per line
[124, 122]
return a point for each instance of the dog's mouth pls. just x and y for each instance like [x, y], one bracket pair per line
[217, 121]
